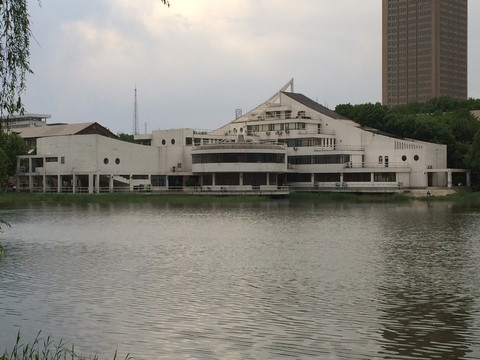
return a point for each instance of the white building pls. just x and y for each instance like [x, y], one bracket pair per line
[25, 121]
[289, 140]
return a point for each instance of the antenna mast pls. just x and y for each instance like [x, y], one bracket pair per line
[135, 115]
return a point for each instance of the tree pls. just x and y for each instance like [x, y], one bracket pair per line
[14, 54]
[11, 146]
[126, 137]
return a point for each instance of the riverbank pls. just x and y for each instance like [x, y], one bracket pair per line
[19, 198]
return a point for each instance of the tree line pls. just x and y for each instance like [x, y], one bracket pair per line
[441, 120]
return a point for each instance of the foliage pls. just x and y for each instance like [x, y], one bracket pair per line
[126, 137]
[11, 146]
[442, 120]
[45, 349]
[14, 54]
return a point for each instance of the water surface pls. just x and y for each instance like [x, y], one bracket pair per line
[245, 281]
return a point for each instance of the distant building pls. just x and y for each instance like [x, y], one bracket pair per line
[288, 141]
[24, 121]
[31, 134]
[424, 53]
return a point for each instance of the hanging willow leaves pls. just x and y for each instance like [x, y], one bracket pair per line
[14, 54]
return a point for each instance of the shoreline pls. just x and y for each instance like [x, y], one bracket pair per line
[175, 198]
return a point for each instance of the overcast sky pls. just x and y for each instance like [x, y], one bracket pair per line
[197, 61]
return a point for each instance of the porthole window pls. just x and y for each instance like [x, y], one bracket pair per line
[163, 142]
[117, 161]
[173, 141]
[105, 161]
[416, 158]
[404, 158]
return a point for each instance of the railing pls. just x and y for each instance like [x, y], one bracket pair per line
[374, 165]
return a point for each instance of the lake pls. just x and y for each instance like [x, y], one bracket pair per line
[271, 280]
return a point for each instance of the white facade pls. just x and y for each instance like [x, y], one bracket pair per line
[289, 140]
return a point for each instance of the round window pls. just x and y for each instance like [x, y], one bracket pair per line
[404, 158]
[163, 142]
[416, 158]
[105, 161]
[117, 161]
[173, 141]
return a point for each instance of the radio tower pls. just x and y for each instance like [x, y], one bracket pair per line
[135, 115]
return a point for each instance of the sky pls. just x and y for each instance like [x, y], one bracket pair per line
[196, 62]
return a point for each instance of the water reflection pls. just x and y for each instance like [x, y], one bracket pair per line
[246, 281]
[429, 285]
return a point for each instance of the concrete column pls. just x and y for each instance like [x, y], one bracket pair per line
[372, 177]
[469, 179]
[312, 179]
[240, 179]
[74, 183]
[449, 179]
[110, 185]
[90, 183]
[97, 183]
[59, 183]
[268, 179]
[213, 179]
[44, 181]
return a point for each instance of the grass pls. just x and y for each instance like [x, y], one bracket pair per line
[7, 199]
[46, 349]
[471, 198]
[349, 197]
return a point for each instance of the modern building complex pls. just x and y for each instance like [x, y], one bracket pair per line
[424, 50]
[287, 142]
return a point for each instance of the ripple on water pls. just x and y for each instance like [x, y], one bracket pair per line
[247, 282]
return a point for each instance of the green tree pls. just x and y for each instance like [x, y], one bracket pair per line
[11, 146]
[14, 54]
[126, 137]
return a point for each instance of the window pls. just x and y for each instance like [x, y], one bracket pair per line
[163, 142]
[380, 160]
[105, 161]
[357, 177]
[158, 180]
[173, 141]
[404, 158]
[139, 177]
[385, 177]
[51, 159]
[117, 161]
[416, 158]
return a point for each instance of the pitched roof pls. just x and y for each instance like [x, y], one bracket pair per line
[314, 105]
[64, 129]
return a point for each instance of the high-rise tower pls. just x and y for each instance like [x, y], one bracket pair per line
[424, 53]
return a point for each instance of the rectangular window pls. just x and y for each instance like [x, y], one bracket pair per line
[158, 180]
[139, 177]
[51, 159]
[333, 177]
[357, 177]
[385, 177]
